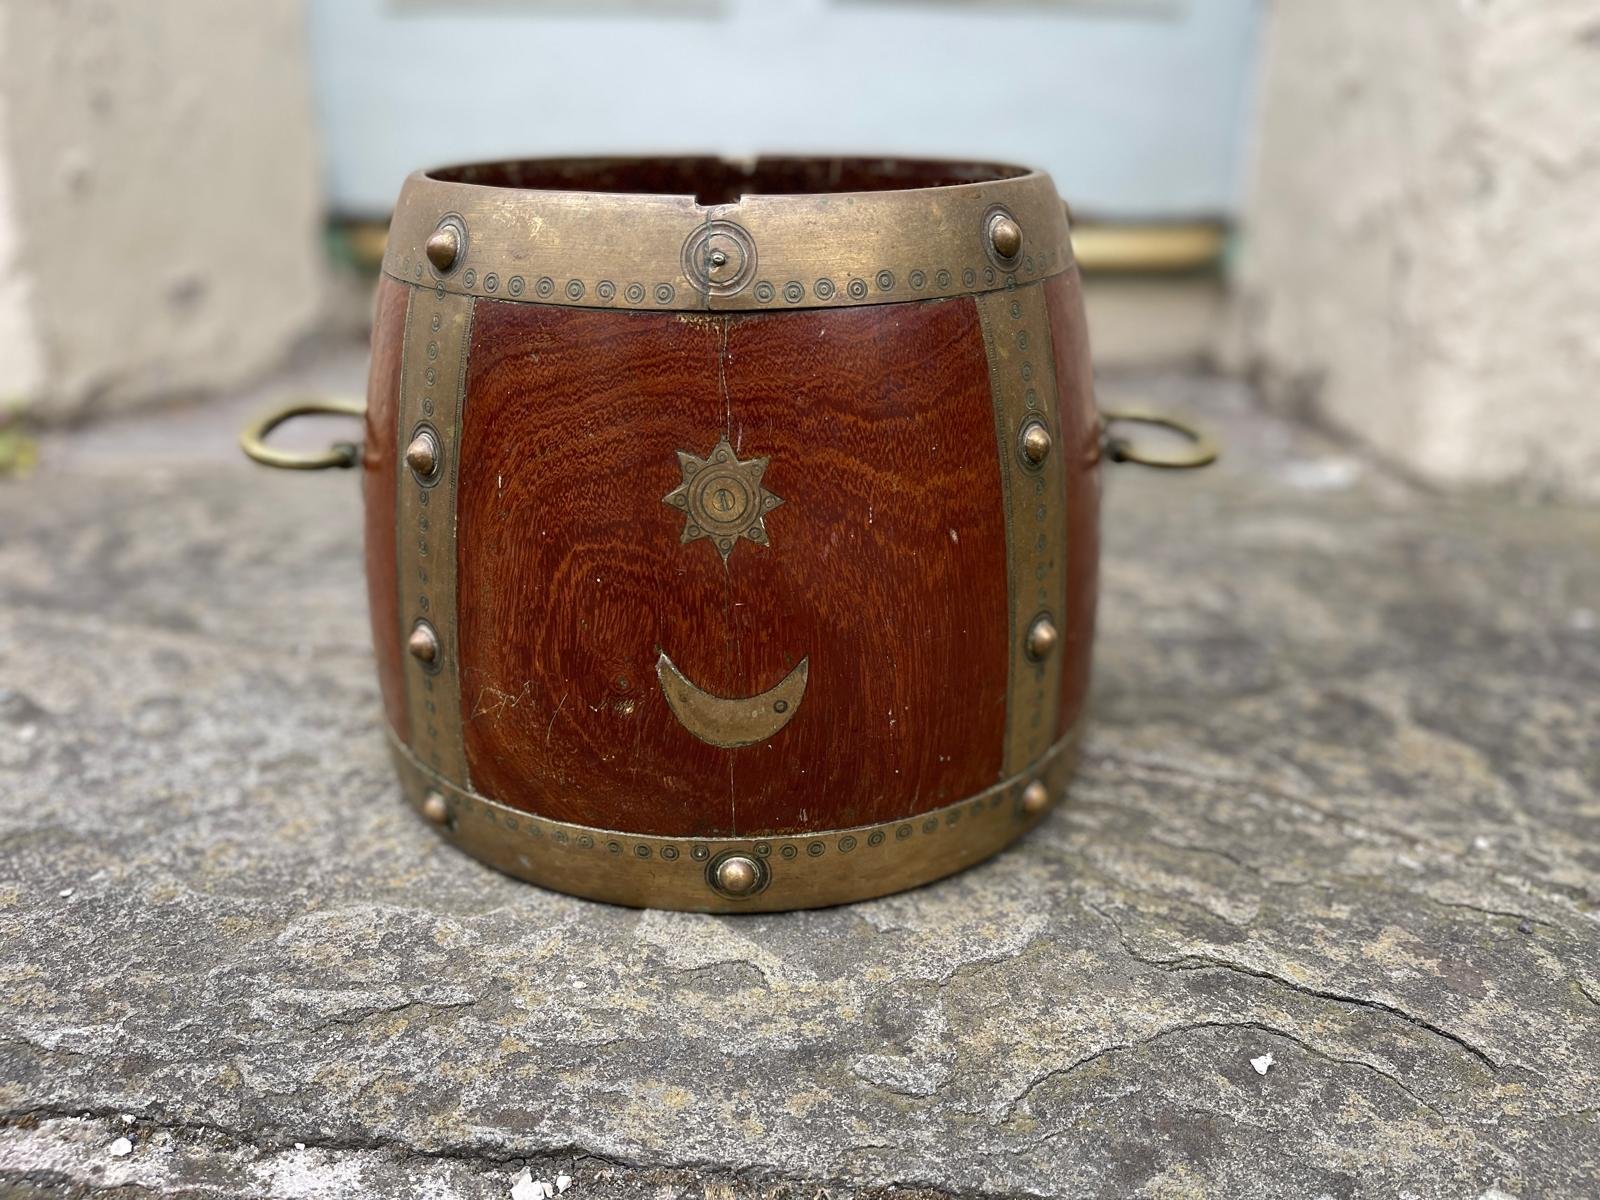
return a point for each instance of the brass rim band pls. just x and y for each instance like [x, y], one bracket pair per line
[808, 870]
[763, 252]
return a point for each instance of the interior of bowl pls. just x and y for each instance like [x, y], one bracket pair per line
[723, 181]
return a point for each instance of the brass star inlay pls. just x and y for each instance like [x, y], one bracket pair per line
[722, 498]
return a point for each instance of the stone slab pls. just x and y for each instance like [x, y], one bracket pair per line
[1338, 807]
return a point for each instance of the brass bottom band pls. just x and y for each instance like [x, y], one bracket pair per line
[810, 870]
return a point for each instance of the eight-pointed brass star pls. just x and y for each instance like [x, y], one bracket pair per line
[722, 498]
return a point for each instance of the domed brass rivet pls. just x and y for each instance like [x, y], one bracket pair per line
[435, 809]
[1035, 442]
[1005, 235]
[736, 876]
[1035, 798]
[423, 644]
[444, 246]
[724, 257]
[1041, 638]
[422, 456]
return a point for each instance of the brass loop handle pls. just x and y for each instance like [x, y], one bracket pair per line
[253, 440]
[1201, 453]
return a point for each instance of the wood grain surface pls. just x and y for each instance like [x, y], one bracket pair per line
[885, 564]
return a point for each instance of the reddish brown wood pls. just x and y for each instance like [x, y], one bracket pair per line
[378, 461]
[1080, 442]
[886, 564]
[570, 573]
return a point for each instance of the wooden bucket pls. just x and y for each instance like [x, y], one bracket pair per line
[731, 528]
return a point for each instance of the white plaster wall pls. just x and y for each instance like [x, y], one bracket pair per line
[164, 205]
[1425, 213]
[21, 368]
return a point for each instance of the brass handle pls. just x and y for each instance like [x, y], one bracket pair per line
[253, 440]
[1203, 451]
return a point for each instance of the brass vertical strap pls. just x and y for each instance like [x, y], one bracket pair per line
[432, 389]
[1022, 380]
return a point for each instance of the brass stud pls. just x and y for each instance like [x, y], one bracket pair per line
[423, 644]
[736, 876]
[1042, 638]
[724, 258]
[1035, 798]
[1035, 442]
[435, 809]
[444, 246]
[1005, 235]
[422, 456]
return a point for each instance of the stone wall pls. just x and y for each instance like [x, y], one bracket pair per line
[160, 209]
[1417, 266]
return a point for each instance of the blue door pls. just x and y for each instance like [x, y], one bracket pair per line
[1137, 107]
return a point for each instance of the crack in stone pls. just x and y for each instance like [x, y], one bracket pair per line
[1189, 1027]
[1203, 962]
[569, 1155]
[1488, 912]
[466, 1153]
[356, 1016]
[1186, 848]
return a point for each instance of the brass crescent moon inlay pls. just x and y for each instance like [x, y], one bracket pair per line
[732, 720]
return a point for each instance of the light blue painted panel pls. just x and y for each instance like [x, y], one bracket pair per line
[1137, 109]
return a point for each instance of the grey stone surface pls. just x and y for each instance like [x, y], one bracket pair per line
[1338, 805]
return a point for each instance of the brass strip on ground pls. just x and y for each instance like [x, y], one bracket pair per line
[628, 251]
[1149, 249]
[801, 871]
[1016, 335]
[432, 386]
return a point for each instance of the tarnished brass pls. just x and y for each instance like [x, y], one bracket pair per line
[1201, 453]
[737, 876]
[253, 439]
[434, 809]
[1016, 334]
[1035, 442]
[1035, 797]
[422, 455]
[1005, 235]
[615, 249]
[719, 258]
[722, 498]
[732, 721]
[443, 247]
[423, 644]
[806, 870]
[433, 361]
[1042, 638]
